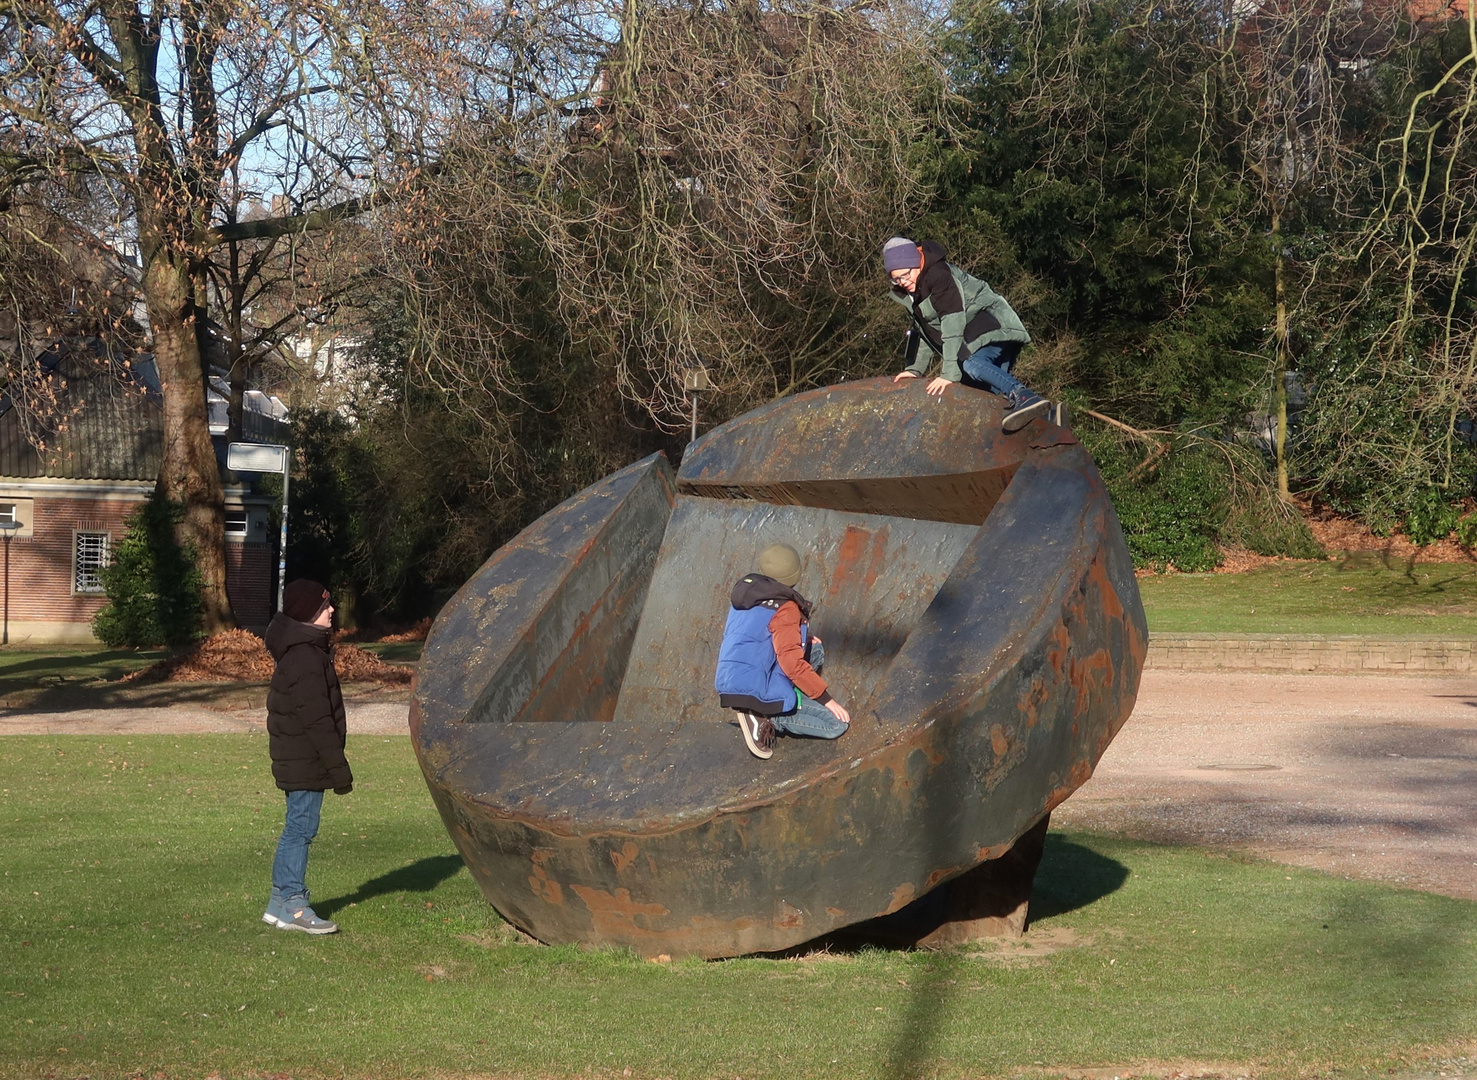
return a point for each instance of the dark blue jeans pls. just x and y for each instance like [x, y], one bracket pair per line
[290, 867]
[988, 367]
[811, 718]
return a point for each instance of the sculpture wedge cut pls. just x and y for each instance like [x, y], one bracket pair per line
[981, 622]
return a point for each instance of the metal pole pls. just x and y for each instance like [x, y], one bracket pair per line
[6, 640]
[282, 548]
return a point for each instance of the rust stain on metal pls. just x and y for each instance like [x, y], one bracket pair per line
[616, 913]
[981, 620]
[999, 741]
[543, 886]
[902, 896]
[790, 917]
[625, 856]
[995, 851]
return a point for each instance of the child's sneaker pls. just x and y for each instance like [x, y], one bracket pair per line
[303, 918]
[758, 734]
[275, 913]
[1023, 409]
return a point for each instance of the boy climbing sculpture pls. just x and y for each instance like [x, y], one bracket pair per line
[769, 663]
[975, 332]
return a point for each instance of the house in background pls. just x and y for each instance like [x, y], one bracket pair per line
[81, 441]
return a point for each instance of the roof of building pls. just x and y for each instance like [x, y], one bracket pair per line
[81, 414]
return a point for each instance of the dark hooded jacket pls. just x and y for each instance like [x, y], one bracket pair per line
[956, 313]
[305, 710]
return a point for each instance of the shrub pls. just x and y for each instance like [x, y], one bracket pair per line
[1172, 509]
[152, 582]
[1466, 530]
[1260, 522]
[1429, 516]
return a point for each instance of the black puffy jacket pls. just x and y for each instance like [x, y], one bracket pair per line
[305, 710]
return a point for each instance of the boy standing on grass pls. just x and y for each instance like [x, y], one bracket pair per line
[307, 729]
[769, 665]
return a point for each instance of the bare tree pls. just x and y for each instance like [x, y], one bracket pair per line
[168, 103]
[712, 195]
[1290, 73]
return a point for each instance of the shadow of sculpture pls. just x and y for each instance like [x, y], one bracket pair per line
[421, 876]
[1072, 876]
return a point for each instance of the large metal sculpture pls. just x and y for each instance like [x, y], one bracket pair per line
[981, 622]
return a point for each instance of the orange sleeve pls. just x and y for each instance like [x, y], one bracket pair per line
[784, 629]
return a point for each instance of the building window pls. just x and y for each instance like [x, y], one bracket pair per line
[90, 555]
[8, 515]
[235, 522]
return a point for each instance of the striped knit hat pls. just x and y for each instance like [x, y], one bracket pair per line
[900, 253]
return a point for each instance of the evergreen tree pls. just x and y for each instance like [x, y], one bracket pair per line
[153, 583]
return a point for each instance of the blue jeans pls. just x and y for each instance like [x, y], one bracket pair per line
[989, 366]
[810, 718]
[290, 867]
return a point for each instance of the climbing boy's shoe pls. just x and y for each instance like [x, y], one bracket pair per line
[1061, 414]
[274, 914]
[1023, 410]
[758, 734]
[303, 918]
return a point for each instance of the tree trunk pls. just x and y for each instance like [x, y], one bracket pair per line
[1281, 366]
[189, 474]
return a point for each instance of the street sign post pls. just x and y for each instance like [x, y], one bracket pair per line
[266, 457]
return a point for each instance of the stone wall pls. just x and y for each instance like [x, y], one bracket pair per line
[1311, 652]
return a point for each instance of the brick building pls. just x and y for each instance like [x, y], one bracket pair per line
[77, 457]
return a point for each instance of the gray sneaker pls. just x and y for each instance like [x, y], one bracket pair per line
[1023, 411]
[304, 919]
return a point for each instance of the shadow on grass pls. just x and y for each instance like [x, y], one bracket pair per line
[1072, 876]
[71, 696]
[422, 876]
[20, 669]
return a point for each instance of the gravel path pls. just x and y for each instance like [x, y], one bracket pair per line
[1370, 775]
[364, 717]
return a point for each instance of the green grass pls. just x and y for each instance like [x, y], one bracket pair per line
[25, 667]
[136, 870]
[1356, 596]
[394, 652]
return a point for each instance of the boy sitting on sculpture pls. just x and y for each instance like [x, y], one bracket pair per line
[769, 663]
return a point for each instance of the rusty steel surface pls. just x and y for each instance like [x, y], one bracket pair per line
[981, 622]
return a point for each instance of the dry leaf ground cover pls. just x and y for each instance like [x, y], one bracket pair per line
[136, 871]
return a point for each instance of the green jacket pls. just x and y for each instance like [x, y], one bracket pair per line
[957, 313]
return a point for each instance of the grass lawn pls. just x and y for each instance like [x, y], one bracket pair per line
[26, 667]
[1362, 595]
[136, 870]
[394, 652]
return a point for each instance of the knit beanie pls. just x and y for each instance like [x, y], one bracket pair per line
[781, 562]
[900, 253]
[303, 600]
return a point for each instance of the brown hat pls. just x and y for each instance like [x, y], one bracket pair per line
[303, 600]
[781, 562]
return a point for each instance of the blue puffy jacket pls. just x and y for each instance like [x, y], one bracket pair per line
[749, 675]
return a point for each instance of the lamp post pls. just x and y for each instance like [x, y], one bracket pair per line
[10, 527]
[695, 380]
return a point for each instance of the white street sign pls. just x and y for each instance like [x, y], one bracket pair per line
[256, 457]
